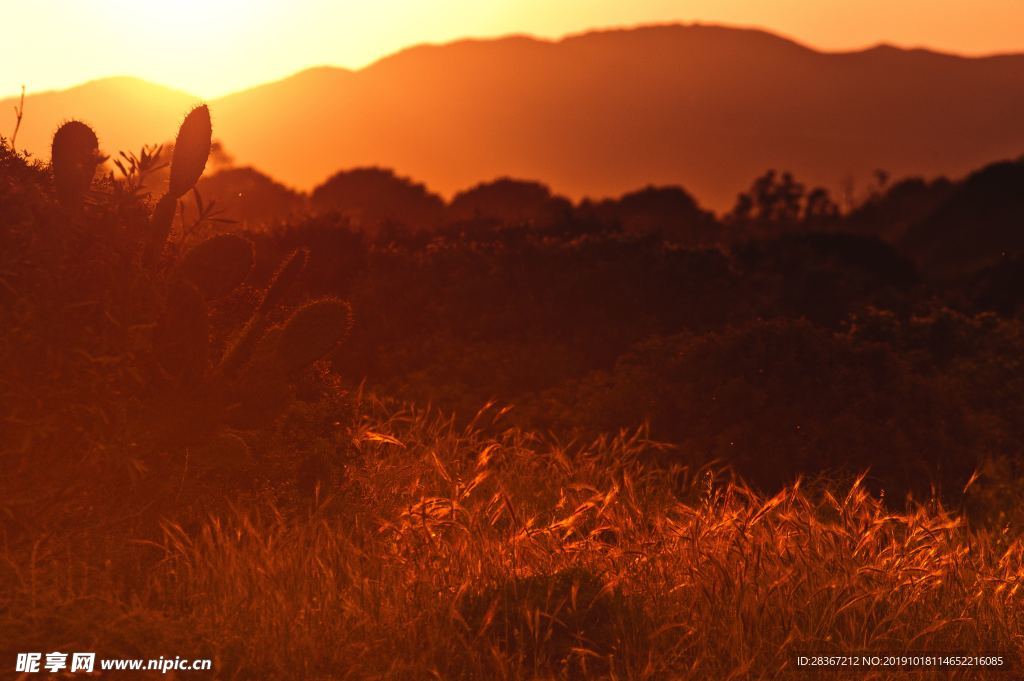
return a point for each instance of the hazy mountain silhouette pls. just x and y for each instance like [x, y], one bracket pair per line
[602, 113]
[123, 111]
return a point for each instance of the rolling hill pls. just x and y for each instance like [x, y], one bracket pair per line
[125, 112]
[597, 114]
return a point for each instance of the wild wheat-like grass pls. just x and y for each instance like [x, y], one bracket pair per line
[446, 553]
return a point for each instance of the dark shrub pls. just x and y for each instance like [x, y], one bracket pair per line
[510, 202]
[370, 197]
[250, 197]
[783, 398]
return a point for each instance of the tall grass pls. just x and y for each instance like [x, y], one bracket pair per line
[450, 553]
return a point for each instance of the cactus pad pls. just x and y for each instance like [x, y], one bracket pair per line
[312, 332]
[74, 156]
[191, 149]
[219, 265]
[283, 280]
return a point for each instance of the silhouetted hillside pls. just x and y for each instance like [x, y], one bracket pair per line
[127, 110]
[980, 224]
[603, 113]
[890, 214]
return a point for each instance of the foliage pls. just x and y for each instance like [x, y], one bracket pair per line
[510, 202]
[777, 204]
[991, 202]
[186, 451]
[250, 197]
[371, 196]
[669, 212]
[121, 352]
[781, 399]
[457, 554]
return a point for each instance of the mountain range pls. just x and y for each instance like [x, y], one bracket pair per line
[597, 114]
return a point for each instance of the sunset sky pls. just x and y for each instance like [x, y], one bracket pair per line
[211, 47]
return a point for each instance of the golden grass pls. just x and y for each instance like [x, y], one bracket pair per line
[448, 553]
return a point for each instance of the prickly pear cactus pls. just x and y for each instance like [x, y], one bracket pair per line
[199, 394]
[191, 150]
[74, 157]
[283, 280]
[240, 351]
[218, 265]
[311, 332]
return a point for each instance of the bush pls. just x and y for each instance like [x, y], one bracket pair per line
[780, 399]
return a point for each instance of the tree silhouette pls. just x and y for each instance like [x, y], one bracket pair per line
[372, 196]
[250, 197]
[670, 212]
[777, 204]
[510, 201]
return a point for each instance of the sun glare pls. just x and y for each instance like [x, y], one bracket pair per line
[188, 41]
[181, 20]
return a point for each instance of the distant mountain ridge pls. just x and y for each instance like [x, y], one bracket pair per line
[596, 114]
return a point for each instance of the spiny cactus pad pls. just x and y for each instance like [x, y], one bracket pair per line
[191, 149]
[219, 265]
[312, 332]
[74, 156]
[240, 351]
[283, 280]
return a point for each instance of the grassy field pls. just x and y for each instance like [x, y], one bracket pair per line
[445, 553]
[211, 450]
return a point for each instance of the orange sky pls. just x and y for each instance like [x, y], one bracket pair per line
[211, 47]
